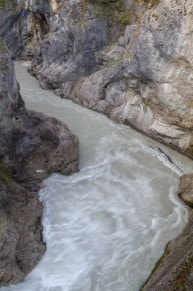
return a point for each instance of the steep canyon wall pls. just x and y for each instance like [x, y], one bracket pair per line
[32, 146]
[133, 64]
[132, 61]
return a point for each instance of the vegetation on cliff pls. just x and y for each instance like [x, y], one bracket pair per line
[115, 10]
[151, 72]
[4, 3]
[5, 173]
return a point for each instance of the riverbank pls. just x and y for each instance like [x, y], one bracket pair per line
[115, 214]
[139, 74]
[32, 146]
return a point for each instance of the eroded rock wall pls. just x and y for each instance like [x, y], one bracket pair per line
[23, 26]
[174, 271]
[21, 245]
[144, 79]
[32, 146]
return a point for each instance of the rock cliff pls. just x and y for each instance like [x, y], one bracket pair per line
[143, 78]
[32, 146]
[174, 271]
[131, 60]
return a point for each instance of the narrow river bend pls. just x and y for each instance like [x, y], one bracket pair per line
[106, 226]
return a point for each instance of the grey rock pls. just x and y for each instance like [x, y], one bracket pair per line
[174, 271]
[156, 66]
[68, 52]
[143, 80]
[21, 245]
[185, 190]
[23, 27]
[32, 146]
[153, 58]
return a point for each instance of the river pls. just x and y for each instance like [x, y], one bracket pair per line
[107, 225]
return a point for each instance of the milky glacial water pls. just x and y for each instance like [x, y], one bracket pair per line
[107, 225]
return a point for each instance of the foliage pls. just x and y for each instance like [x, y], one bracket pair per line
[112, 10]
[153, 2]
[5, 174]
[102, 1]
[4, 3]
[3, 47]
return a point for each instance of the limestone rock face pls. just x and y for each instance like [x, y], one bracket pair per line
[68, 51]
[21, 245]
[175, 269]
[23, 26]
[144, 79]
[32, 146]
[185, 190]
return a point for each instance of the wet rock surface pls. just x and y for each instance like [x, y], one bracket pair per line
[185, 190]
[32, 146]
[21, 245]
[143, 79]
[174, 271]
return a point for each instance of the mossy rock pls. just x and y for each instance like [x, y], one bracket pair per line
[114, 10]
[5, 173]
[3, 47]
[4, 3]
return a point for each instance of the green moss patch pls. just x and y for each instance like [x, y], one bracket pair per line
[4, 3]
[3, 47]
[115, 10]
[5, 173]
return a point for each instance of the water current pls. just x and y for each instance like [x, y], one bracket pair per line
[107, 225]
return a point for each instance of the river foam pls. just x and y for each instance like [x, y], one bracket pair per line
[107, 225]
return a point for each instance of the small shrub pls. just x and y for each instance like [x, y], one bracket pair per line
[112, 10]
[4, 3]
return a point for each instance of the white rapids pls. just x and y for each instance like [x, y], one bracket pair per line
[107, 225]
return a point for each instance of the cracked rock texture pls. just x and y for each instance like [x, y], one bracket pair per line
[175, 271]
[32, 146]
[139, 74]
[143, 78]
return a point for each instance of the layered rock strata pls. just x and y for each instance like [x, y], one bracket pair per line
[143, 79]
[32, 146]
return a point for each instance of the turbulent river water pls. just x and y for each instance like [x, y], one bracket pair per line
[107, 225]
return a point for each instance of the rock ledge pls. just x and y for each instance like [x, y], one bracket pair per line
[32, 146]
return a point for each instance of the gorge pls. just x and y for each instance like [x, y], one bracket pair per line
[132, 61]
[116, 214]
